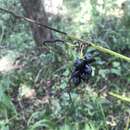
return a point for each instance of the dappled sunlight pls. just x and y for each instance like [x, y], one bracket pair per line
[118, 12]
[7, 62]
[26, 91]
[119, 2]
[54, 7]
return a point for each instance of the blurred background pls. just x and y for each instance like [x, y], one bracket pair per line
[34, 76]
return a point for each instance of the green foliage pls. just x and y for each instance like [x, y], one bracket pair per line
[13, 32]
[91, 108]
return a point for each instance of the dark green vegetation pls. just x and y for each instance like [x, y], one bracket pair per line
[33, 85]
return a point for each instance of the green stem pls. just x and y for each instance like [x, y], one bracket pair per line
[107, 51]
[127, 124]
[122, 98]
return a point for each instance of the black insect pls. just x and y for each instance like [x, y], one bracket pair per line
[82, 69]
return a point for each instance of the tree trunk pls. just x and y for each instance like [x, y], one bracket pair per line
[34, 9]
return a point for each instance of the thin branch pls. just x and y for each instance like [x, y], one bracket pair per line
[32, 21]
[53, 41]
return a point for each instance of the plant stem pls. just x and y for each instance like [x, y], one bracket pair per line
[122, 98]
